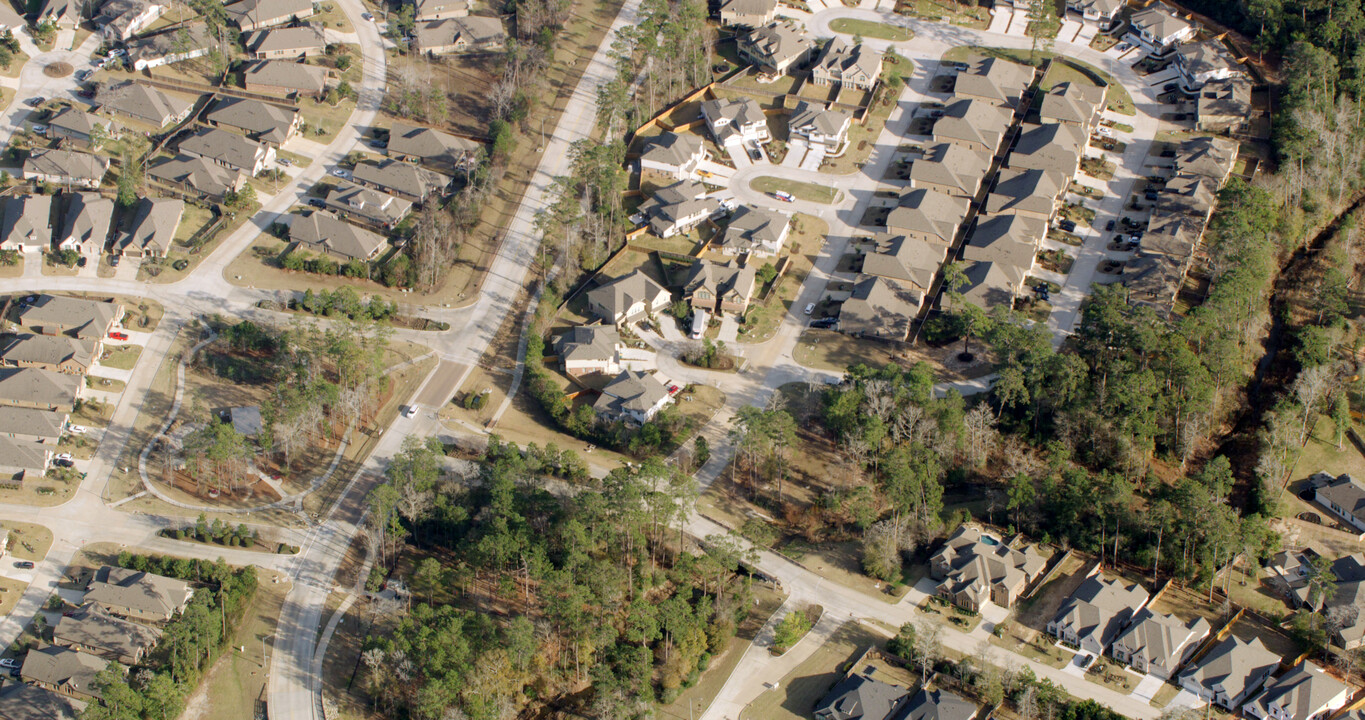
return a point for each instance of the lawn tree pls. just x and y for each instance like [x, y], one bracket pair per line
[971, 319]
[1022, 497]
[928, 646]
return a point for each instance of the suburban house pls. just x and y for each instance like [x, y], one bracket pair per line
[89, 218]
[719, 288]
[1104, 12]
[1348, 596]
[142, 103]
[93, 630]
[748, 13]
[974, 124]
[425, 10]
[138, 595]
[881, 308]
[904, 259]
[58, 353]
[1096, 613]
[974, 568]
[991, 284]
[186, 42]
[230, 150]
[672, 155]
[119, 20]
[153, 228]
[21, 701]
[80, 128]
[65, 167]
[776, 47]
[1305, 693]
[405, 180]
[1213, 157]
[64, 14]
[950, 170]
[1223, 105]
[196, 176]
[860, 697]
[77, 317]
[677, 208]
[263, 122]
[756, 232]
[288, 43]
[627, 299]
[250, 15]
[63, 670]
[927, 215]
[1159, 643]
[632, 396]
[1230, 672]
[1158, 28]
[1010, 241]
[27, 223]
[42, 426]
[21, 460]
[1073, 102]
[820, 125]
[285, 77]
[1345, 498]
[473, 33]
[39, 389]
[590, 349]
[367, 206]
[995, 81]
[1032, 193]
[1203, 62]
[939, 705]
[326, 233]
[849, 66]
[434, 148]
[1055, 147]
[730, 120]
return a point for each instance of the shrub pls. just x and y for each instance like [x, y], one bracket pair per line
[792, 628]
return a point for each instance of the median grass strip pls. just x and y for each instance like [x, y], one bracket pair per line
[809, 192]
[872, 29]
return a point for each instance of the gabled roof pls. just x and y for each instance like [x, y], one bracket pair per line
[266, 121]
[429, 145]
[67, 163]
[972, 121]
[368, 202]
[1300, 693]
[90, 318]
[880, 306]
[78, 121]
[907, 259]
[154, 225]
[88, 218]
[303, 37]
[859, 697]
[587, 343]
[776, 43]
[1230, 97]
[952, 166]
[63, 667]
[92, 626]
[1008, 239]
[752, 227]
[673, 203]
[288, 75]
[434, 7]
[120, 15]
[476, 30]
[1188, 193]
[1231, 665]
[631, 391]
[974, 566]
[928, 211]
[1175, 235]
[327, 231]
[255, 12]
[116, 587]
[762, 8]
[1034, 191]
[47, 349]
[1153, 279]
[1055, 147]
[1208, 56]
[1209, 156]
[142, 102]
[46, 424]
[620, 294]
[21, 701]
[26, 455]
[401, 177]
[224, 147]
[726, 115]
[1162, 639]
[1074, 102]
[1103, 7]
[673, 149]
[939, 705]
[196, 172]
[994, 79]
[842, 60]
[28, 220]
[1159, 21]
[818, 118]
[185, 40]
[722, 281]
[1099, 609]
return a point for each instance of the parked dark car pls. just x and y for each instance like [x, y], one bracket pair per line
[1109, 226]
[317, 202]
[24, 564]
[1067, 225]
[1170, 86]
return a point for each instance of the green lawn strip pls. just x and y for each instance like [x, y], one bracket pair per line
[872, 29]
[809, 192]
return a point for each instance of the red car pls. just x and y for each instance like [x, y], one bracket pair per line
[673, 389]
[116, 335]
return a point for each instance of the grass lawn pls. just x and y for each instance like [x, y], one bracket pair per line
[808, 234]
[28, 541]
[332, 16]
[10, 592]
[103, 384]
[15, 270]
[1074, 70]
[16, 65]
[1112, 675]
[196, 219]
[121, 357]
[863, 138]
[955, 13]
[872, 29]
[236, 684]
[1165, 695]
[328, 117]
[809, 192]
[795, 696]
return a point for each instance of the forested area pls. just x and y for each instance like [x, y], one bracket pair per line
[189, 644]
[589, 601]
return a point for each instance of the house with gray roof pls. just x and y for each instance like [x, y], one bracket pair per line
[756, 232]
[1159, 28]
[367, 206]
[85, 229]
[473, 33]
[676, 209]
[632, 396]
[1214, 157]
[63, 670]
[672, 155]
[1175, 235]
[249, 15]
[1344, 604]
[11, 19]
[440, 150]
[286, 77]
[590, 349]
[995, 81]
[1076, 103]
[1230, 672]
[77, 317]
[1305, 693]
[41, 426]
[820, 125]
[719, 288]
[927, 215]
[628, 299]
[286, 43]
[186, 42]
[153, 228]
[197, 176]
[80, 128]
[120, 20]
[1223, 105]
[974, 124]
[860, 697]
[1202, 62]
[93, 630]
[1153, 280]
[950, 170]
[854, 66]
[776, 47]
[1104, 12]
[405, 180]
[263, 122]
[974, 568]
[881, 308]
[1054, 147]
[748, 13]
[21, 701]
[142, 103]
[22, 460]
[137, 594]
[938, 705]
[27, 223]
[65, 167]
[1096, 613]
[1010, 240]
[1345, 498]
[326, 233]
[39, 389]
[1187, 194]
[735, 120]
[58, 353]
[1031, 193]
[424, 10]
[907, 260]
[1159, 643]
[229, 150]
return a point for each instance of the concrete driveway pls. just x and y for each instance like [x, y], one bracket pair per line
[1148, 687]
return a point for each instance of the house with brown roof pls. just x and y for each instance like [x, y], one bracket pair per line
[845, 65]
[1008, 240]
[264, 122]
[821, 125]
[77, 317]
[410, 182]
[22, 460]
[79, 128]
[1154, 280]
[40, 426]
[719, 288]
[326, 233]
[1213, 157]
[1073, 102]
[93, 630]
[367, 206]
[950, 169]
[589, 350]
[991, 283]
[1032, 193]
[995, 81]
[748, 13]
[285, 77]
[39, 389]
[633, 396]
[249, 15]
[286, 43]
[880, 308]
[63, 670]
[975, 568]
[58, 353]
[1223, 105]
[425, 10]
[85, 229]
[433, 148]
[672, 155]
[21, 701]
[65, 167]
[677, 208]
[911, 261]
[976, 125]
[142, 103]
[755, 232]
[627, 299]
[153, 228]
[473, 33]
[776, 47]
[137, 594]
[197, 176]
[229, 150]
[927, 215]
[27, 223]
[1055, 147]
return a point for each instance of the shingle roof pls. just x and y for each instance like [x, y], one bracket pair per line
[66, 163]
[88, 218]
[952, 166]
[670, 148]
[1209, 156]
[1231, 664]
[144, 592]
[1230, 97]
[994, 79]
[288, 75]
[21, 701]
[37, 387]
[928, 211]
[939, 705]
[1033, 191]
[821, 119]
[776, 42]
[26, 455]
[90, 318]
[1008, 239]
[183, 41]
[1055, 147]
[28, 220]
[909, 259]
[751, 228]
[401, 177]
[974, 566]
[328, 232]
[842, 60]
[429, 145]
[1071, 102]
[47, 349]
[45, 424]
[266, 121]
[631, 391]
[1162, 640]
[1299, 693]
[1099, 609]
[378, 206]
[972, 121]
[475, 30]
[1209, 56]
[154, 225]
[92, 626]
[673, 203]
[618, 295]
[223, 147]
[142, 102]
[303, 37]
[63, 667]
[78, 121]
[254, 12]
[722, 281]
[196, 172]
[588, 342]
[880, 306]
[859, 697]
[1159, 21]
